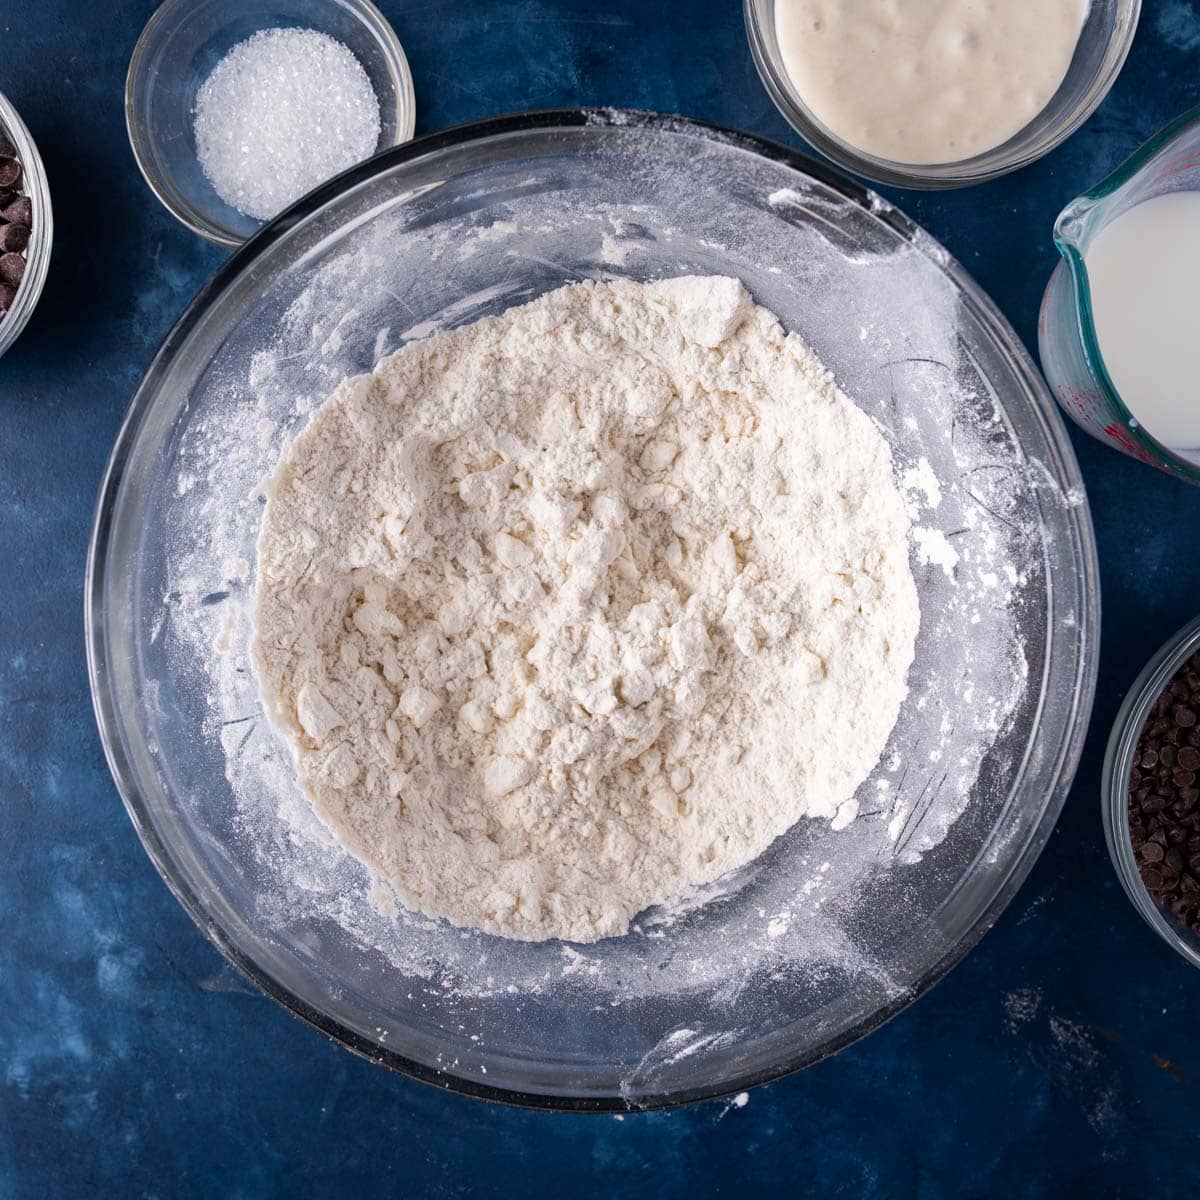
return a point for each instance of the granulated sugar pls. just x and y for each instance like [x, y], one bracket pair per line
[282, 112]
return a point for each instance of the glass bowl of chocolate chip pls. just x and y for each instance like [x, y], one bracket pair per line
[1151, 793]
[26, 226]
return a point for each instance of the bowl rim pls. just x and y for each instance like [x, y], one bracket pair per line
[41, 240]
[192, 218]
[1062, 465]
[1114, 781]
[938, 176]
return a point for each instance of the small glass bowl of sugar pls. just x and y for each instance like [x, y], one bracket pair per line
[235, 109]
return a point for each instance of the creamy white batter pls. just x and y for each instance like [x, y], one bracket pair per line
[927, 81]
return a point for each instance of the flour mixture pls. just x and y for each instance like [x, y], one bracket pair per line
[571, 609]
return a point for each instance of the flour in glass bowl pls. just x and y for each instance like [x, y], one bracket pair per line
[804, 904]
[572, 609]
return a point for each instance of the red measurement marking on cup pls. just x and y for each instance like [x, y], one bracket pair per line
[1120, 435]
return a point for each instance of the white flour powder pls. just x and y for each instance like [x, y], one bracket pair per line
[571, 609]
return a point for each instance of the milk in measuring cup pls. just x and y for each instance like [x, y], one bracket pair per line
[1144, 275]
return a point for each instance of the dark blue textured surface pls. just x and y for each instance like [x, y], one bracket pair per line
[134, 1062]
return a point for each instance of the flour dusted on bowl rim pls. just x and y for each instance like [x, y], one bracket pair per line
[572, 609]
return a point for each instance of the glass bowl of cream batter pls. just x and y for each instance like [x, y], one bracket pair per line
[945, 97]
[833, 929]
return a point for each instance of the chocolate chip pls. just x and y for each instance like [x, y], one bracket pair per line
[16, 223]
[12, 268]
[13, 237]
[1164, 797]
[19, 211]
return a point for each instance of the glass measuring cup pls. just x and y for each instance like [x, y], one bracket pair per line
[1070, 351]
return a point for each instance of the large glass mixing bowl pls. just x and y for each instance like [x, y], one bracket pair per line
[829, 932]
